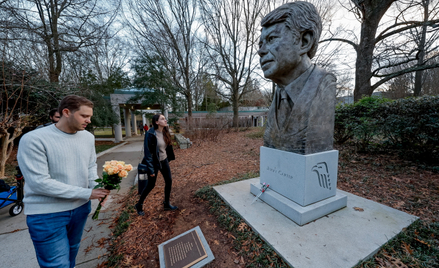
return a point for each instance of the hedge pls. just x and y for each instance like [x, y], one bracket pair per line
[409, 125]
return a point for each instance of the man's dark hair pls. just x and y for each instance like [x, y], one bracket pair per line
[73, 103]
[298, 16]
[52, 112]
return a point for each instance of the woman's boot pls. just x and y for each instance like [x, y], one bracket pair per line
[139, 209]
[168, 206]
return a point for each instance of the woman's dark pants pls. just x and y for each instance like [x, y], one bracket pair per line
[166, 172]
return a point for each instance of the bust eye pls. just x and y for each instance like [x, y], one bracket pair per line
[270, 39]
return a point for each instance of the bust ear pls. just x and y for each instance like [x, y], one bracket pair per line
[307, 41]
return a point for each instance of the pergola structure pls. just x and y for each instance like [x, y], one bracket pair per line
[119, 99]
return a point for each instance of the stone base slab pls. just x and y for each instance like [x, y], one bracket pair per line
[297, 213]
[338, 240]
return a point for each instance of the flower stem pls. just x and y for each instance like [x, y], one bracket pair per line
[98, 209]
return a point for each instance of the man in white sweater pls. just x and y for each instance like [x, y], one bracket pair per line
[58, 163]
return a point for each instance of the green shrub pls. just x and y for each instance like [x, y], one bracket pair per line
[360, 121]
[408, 125]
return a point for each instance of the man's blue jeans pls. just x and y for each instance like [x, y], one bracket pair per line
[56, 236]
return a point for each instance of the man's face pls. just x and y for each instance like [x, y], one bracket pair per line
[79, 120]
[280, 53]
[55, 118]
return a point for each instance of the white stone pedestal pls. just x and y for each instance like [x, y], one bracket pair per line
[302, 187]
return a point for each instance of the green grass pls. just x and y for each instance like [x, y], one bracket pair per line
[416, 246]
[105, 133]
[103, 147]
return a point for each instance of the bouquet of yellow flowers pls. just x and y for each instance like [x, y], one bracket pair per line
[114, 172]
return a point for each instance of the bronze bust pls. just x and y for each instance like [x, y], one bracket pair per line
[301, 116]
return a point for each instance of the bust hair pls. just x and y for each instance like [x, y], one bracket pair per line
[298, 16]
[73, 103]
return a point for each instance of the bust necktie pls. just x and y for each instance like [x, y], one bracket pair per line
[285, 106]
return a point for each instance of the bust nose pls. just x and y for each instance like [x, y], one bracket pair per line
[262, 50]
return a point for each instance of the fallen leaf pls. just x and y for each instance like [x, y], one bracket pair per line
[358, 209]
[407, 248]
[422, 242]
[242, 226]
[128, 260]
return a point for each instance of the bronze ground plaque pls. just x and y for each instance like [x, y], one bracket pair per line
[184, 251]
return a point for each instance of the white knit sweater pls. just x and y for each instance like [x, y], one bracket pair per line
[59, 169]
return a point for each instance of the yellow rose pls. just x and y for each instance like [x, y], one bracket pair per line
[128, 167]
[107, 163]
[120, 167]
[106, 167]
[123, 173]
[113, 162]
[116, 169]
[110, 171]
[121, 163]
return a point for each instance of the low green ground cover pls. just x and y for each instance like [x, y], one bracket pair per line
[249, 245]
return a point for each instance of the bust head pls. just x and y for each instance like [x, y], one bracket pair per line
[289, 40]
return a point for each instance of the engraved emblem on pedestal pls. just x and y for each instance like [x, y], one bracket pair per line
[321, 169]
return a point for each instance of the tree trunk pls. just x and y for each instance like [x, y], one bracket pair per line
[4, 140]
[363, 70]
[421, 53]
[235, 101]
[372, 11]
[189, 111]
[235, 114]
[7, 146]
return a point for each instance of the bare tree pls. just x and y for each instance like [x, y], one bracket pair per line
[61, 26]
[430, 80]
[232, 31]
[424, 39]
[168, 28]
[14, 113]
[377, 52]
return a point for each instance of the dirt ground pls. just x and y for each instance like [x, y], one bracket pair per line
[382, 178]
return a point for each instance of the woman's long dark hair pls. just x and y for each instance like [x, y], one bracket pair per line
[166, 134]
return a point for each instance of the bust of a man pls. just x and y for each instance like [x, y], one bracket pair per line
[301, 116]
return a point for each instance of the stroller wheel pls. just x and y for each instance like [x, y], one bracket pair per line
[16, 209]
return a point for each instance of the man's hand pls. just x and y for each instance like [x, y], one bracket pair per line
[152, 175]
[99, 193]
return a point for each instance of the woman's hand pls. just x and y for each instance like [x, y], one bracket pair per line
[152, 175]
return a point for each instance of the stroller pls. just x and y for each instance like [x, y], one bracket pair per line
[13, 194]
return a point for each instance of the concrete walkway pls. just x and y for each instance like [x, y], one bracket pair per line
[16, 249]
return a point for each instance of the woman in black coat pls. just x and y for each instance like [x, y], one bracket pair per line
[158, 152]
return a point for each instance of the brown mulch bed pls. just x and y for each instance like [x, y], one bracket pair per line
[383, 178]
